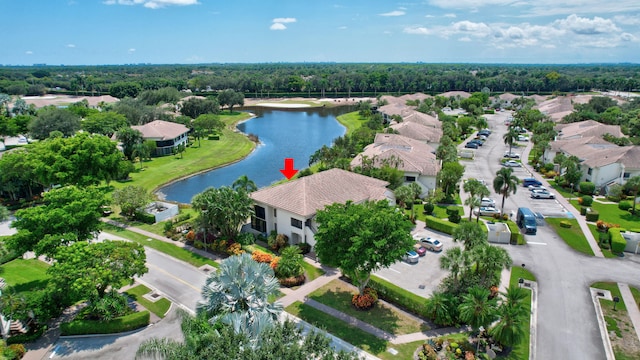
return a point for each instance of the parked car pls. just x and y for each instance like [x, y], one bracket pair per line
[542, 194]
[537, 187]
[487, 202]
[471, 145]
[419, 249]
[482, 137]
[485, 132]
[530, 181]
[486, 211]
[511, 163]
[511, 155]
[523, 138]
[411, 257]
[431, 244]
[476, 141]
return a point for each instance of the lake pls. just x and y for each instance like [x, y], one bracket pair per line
[283, 134]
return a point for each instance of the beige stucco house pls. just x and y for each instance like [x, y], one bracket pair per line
[167, 135]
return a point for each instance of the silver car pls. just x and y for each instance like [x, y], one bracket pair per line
[542, 194]
[431, 244]
[411, 257]
[486, 211]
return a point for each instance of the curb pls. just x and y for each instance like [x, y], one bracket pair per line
[608, 349]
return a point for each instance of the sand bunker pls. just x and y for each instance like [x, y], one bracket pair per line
[283, 105]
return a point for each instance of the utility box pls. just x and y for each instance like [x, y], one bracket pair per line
[498, 233]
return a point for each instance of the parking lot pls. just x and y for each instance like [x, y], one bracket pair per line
[423, 277]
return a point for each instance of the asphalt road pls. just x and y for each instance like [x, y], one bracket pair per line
[567, 323]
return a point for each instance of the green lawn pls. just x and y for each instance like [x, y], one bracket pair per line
[312, 271]
[636, 295]
[612, 214]
[351, 121]
[164, 247]
[573, 236]
[596, 235]
[338, 328]
[337, 294]
[521, 350]
[439, 211]
[159, 307]
[618, 322]
[25, 275]
[231, 147]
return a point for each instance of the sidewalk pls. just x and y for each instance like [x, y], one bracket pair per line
[593, 243]
[632, 306]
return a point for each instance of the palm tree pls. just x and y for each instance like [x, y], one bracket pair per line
[514, 298]
[508, 331]
[244, 183]
[141, 151]
[473, 202]
[505, 183]
[476, 308]
[510, 137]
[490, 260]
[441, 308]
[470, 234]
[455, 261]
[633, 184]
[238, 295]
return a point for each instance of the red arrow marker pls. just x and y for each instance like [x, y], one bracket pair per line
[288, 170]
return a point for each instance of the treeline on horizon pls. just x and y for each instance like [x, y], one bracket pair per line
[319, 79]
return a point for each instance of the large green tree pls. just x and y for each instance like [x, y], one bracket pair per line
[69, 214]
[449, 178]
[130, 199]
[230, 98]
[633, 186]
[87, 270]
[51, 118]
[129, 138]
[104, 123]
[223, 209]
[362, 238]
[505, 183]
[194, 107]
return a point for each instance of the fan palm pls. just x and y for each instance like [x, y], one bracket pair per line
[470, 234]
[489, 260]
[505, 183]
[455, 261]
[510, 137]
[237, 295]
[508, 331]
[441, 308]
[244, 183]
[476, 308]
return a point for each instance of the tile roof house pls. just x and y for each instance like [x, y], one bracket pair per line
[417, 131]
[290, 208]
[167, 135]
[416, 159]
[587, 128]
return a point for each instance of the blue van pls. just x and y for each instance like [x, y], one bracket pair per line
[526, 220]
[530, 181]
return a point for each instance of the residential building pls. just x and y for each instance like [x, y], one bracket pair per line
[290, 208]
[167, 135]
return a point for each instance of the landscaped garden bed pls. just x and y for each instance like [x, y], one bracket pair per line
[624, 339]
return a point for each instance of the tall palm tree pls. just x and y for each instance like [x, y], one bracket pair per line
[505, 183]
[490, 260]
[508, 331]
[514, 298]
[244, 183]
[237, 295]
[476, 309]
[470, 234]
[455, 261]
[441, 308]
[510, 137]
[473, 202]
[633, 184]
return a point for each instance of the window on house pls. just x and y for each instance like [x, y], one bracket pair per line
[296, 223]
[275, 213]
[259, 211]
[626, 175]
[409, 178]
[589, 171]
[258, 220]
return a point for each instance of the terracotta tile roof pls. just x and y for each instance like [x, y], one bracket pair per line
[306, 195]
[396, 108]
[416, 156]
[587, 128]
[161, 130]
[418, 131]
[422, 119]
[462, 94]
[596, 152]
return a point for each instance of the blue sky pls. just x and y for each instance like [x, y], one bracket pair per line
[88, 32]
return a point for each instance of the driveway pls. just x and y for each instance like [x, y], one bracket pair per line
[424, 277]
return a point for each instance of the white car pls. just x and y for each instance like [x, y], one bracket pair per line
[411, 257]
[537, 187]
[487, 202]
[486, 211]
[523, 138]
[511, 163]
[511, 155]
[542, 194]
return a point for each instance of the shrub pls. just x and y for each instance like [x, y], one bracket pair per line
[18, 350]
[618, 243]
[587, 188]
[182, 217]
[593, 216]
[455, 218]
[428, 208]
[453, 210]
[366, 300]
[550, 174]
[277, 242]
[587, 200]
[625, 205]
[583, 210]
[400, 297]
[168, 226]
[615, 192]
[121, 324]
[444, 226]
[565, 224]
[262, 257]
[144, 217]
[548, 167]
[246, 238]
[292, 281]
[235, 249]
[290, 264]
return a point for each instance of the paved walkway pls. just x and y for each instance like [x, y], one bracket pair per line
[631, 305]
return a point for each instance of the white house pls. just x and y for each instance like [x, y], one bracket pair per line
[416, 159]
[167, 135]
[414, 130]
[290, 208]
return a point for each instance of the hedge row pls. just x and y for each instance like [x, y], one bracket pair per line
[121, 324]
[145, 217]
[444, 226]
[618, 243]
[516, 236]
[398, 296]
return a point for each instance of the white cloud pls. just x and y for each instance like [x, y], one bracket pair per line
[627, 20]
[394, 13]
[152, 4]
[29, 52]
[465, 39]
[71, 45]
[473, 28]
[627, 37]
[416, 30]
[277, 26]
[284, 20]
[586, 26]
[429, 16]
[450, 15]
[131, 50]
[342, 27]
